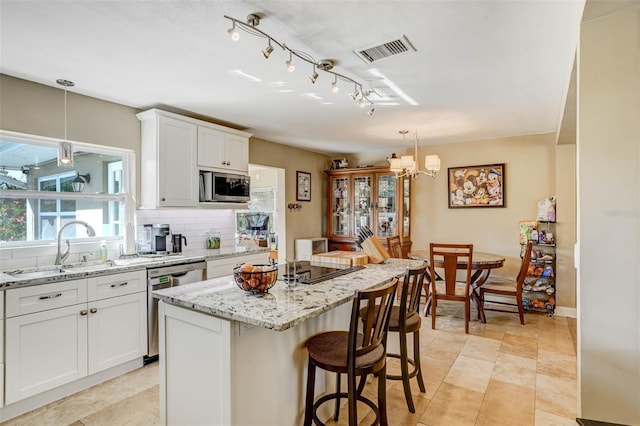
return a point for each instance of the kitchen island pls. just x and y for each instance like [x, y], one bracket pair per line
[231, 357]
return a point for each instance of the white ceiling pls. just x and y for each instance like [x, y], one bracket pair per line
[483, 69]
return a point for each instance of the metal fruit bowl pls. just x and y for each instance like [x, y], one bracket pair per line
[255, 278]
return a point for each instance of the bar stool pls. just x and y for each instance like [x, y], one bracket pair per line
[405, 319]
[353, 353]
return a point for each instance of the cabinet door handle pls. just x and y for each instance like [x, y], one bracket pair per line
[93, 310]
[119, 284]
[50, 296]
[83, 312]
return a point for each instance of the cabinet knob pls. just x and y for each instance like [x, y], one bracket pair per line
[164, 199]
[93, 310]
[84, 312]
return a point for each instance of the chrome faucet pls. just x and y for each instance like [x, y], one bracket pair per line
[62, 257]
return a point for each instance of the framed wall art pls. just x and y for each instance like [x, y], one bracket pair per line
[476, 186]
[303, 186]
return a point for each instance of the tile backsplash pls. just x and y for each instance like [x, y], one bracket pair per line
[192, 223]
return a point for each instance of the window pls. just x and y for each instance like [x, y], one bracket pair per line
[37, 197]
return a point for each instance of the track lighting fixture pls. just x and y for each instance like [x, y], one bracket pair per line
[355, 93]
[266, 52]
[360, 96]
[290, 65]
[233, 33]
[314, 76]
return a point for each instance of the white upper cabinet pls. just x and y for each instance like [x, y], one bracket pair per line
[174, 149]
[222, 150]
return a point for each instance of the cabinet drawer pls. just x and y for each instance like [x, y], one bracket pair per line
[107, 286]
[39, 298]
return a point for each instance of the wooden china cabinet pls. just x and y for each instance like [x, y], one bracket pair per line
[367, 196]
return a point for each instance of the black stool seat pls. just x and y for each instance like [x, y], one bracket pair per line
[329, 352]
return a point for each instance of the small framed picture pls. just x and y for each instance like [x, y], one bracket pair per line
[303, 186]
[477, 186]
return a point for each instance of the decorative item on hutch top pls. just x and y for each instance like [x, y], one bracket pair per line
[477, 186]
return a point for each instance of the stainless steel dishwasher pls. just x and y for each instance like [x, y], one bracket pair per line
[164, 277]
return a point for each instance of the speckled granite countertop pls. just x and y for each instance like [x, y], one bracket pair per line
[49, 274]
[282, 307]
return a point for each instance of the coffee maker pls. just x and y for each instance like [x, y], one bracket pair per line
[154, 239]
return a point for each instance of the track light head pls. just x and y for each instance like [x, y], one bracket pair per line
[313, 77]
[371, 111]
[290, 65]
[267, 51]
[233, 33]
[355, 95]
[334, 86]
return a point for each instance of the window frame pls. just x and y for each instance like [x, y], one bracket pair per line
[126, 197]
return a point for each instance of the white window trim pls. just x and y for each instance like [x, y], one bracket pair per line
[127, 197]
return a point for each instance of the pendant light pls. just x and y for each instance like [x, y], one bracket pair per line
[65, 148]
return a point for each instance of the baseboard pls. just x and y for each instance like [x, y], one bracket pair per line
[36, 401]
[563, 311]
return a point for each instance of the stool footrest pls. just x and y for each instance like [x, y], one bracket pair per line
[412, 373]
[344, 395]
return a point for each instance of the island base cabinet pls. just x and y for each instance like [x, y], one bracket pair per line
[214, 371]
[45, 350]
[194, 372]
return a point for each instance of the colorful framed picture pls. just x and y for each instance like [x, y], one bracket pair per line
[476, 186]
[303, 186]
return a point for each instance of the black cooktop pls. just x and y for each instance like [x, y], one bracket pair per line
[312, 274]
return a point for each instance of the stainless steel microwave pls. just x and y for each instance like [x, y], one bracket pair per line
[230, 187]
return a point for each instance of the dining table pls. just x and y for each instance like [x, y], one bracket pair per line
[482, 263]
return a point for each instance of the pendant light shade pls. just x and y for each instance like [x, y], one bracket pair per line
[65, 148]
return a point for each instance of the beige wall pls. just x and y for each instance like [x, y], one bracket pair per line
[37, 109]
[609, 219]
[535, 168]
[310, 220]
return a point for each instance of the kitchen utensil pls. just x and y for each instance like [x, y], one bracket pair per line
[176, 242]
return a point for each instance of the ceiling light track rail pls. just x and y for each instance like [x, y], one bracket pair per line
[360, 96]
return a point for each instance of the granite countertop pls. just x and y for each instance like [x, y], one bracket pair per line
[282, 307]
[49, 274]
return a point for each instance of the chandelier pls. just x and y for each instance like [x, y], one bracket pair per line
[407, 166]
[360, 96]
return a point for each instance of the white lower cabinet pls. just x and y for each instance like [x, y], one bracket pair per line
[45, 350]
[117, 331]
[57, 345]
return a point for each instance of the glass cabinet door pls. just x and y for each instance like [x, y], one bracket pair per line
[386, 226]
[340, 207]
[361, 202]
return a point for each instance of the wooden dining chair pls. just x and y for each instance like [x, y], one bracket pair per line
[394, 247]
[354, 353]
[508, 287]
[450, 258]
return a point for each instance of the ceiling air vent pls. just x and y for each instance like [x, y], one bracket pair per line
[385, 50]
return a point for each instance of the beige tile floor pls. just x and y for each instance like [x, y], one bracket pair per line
[501, 373]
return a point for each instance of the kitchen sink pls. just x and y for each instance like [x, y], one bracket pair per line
[52, 271]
